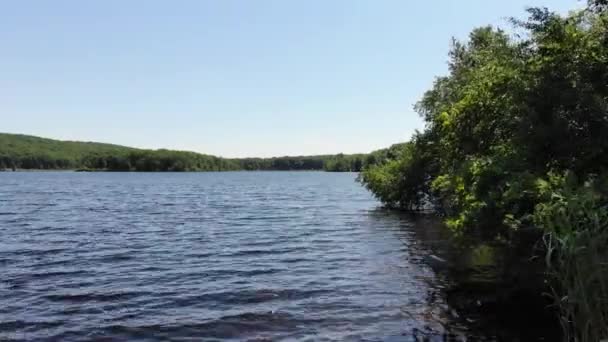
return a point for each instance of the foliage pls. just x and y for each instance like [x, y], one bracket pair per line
[388, 172]
[509, 111]
[342, 162]
[514, 112]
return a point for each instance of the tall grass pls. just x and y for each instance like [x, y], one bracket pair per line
[576, 241]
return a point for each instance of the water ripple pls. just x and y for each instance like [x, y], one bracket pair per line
[208, 256]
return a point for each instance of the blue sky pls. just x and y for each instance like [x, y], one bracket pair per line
[231, 78]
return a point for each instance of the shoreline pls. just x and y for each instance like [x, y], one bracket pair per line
[137, 171]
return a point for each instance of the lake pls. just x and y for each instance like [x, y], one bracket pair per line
[216, 256]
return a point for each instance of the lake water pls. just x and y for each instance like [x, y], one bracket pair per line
[235, 255]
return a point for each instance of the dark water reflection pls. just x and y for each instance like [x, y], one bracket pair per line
[215, 256]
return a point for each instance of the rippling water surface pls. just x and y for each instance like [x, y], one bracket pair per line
[242, 256]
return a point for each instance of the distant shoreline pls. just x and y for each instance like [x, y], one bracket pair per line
[37, 170]
[30, 153]
[137, 171]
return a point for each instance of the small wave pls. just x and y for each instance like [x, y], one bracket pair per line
[236, 326]
[256, 252]
[44, 275]
[126, 256]
[95, 297]
[214, 274]
[268, 218]
[247, 297]
[296, 260]
[7, 261]
[35, 252]
[10, 326]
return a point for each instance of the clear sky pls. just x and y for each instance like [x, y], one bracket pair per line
[227, 77]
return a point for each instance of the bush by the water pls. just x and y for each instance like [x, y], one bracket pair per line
[517, 112]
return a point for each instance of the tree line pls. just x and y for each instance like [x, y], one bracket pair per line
[29, 152]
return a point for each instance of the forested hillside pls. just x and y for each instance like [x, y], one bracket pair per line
[29, 152]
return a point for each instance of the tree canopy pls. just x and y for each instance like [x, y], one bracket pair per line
[510, 111]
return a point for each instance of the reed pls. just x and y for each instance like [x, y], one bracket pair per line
[576, 245]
